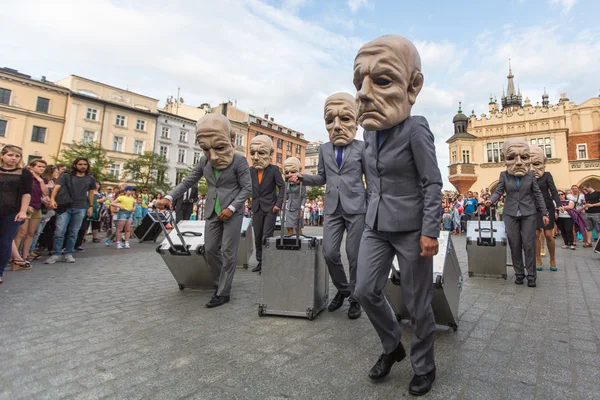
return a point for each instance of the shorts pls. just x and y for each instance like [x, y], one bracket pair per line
[36, 214]
[124, 215]
[592, 221]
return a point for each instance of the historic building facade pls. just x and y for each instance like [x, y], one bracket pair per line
[32, 114]
[123, 122]
[311, 160]
[569, 134]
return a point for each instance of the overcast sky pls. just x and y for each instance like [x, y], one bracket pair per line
[285, 57]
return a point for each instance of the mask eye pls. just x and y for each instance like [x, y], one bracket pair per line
[345, 119]
[382, 81]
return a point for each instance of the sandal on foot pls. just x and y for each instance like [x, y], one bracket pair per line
[96, 240]
[20, 265]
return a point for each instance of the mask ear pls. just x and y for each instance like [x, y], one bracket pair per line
[415, 86]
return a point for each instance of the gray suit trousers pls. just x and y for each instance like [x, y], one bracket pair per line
[520, 232]
[333, 231]
[377, 251]
[222, 240]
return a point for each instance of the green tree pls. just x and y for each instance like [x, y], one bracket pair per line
[150, 170]
[314, 193]
[202, 185]
[92, 151]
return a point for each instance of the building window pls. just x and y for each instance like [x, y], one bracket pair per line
[3, 128]
[179, 176]
[197, 157]
[239, 140]
[163, 151]
[140, 125]
[270, 126]
[288, 146]
[453, 157]
[30, 159]
[5, 96]
[91, 114]
[88, 137]
[120, 120]
[545, 144]
[494, 152]
[42, 105]
[280, 143]
[114, 171]
[298, 147]
[117, 143]
[38, 134]
[181, 156]
[165, 132]
[465, 157]
[138, 147]
[183, 136]
[582, 152]
[279, 157]
[257, 133]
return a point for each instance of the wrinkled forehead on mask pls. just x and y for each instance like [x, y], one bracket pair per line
[341, 99]
[395, 50]
[514, 143]
[213, 123]
[291, 163]
[263, 140]
[538, 153]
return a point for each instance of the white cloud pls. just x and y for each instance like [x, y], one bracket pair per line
[355, 5]
[566, 5]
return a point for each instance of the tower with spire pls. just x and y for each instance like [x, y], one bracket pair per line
[511, 99]
[545, 101]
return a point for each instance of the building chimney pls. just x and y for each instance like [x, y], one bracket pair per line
[272, 119]
[266, 116]
[43, 78]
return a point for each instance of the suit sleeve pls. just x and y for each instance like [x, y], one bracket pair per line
[423, 148]
[499, 189]
[189, 181]
[537, 196]
[280, 184]
[553, 190]
[320, 178]
[245, 182]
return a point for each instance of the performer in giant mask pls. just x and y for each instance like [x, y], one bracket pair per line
[550, 194]
[266, 202]
[294, 205]
[229, 186]
[404, 185]
[522, 203]
[340, 168]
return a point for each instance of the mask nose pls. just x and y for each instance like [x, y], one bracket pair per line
[364, 94]
[337, 124]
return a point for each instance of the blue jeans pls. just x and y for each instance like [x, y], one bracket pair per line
[71, 219]
[8, 230]
[144, 212]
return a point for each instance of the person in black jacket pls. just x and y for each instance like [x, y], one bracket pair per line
[550, 194]
[184, 206]
[266, 202]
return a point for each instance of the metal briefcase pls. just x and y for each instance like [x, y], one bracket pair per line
[447, 283]
[183, 252]
[486, 248]
[246, 246]
[295, 279]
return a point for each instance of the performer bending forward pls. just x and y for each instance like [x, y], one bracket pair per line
[405, 192]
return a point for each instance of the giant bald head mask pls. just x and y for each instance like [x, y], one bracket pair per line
[538, 161]
[261, 151]
[340, 118]
[213, 132]
[517, 156]
[388, 78]
[291, 165]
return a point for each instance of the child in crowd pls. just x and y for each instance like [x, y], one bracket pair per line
[447, 220]
[138, 212]
[125, 205]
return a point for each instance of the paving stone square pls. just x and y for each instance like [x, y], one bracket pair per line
[114, 325]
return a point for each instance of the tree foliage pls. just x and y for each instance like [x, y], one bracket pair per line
[202, 185]
[93, 151]
[314, 193]
[150, 170]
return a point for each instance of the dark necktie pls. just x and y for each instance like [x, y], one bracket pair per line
[379, 138]
[338, 157]
[518, 182]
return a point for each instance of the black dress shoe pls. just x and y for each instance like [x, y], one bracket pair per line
[519, 280]
[354, 311]
[337, 301]
[258, 267]
[531, 283]
[421, 384]
[384, 364]
[217, 301]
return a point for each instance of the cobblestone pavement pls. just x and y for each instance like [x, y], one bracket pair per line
[115, 325]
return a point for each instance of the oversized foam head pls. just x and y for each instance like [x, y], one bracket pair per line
[213, 132]
[538, 161]
[388, 78]
[517, 156]
[291, 166]
[340, 118]
[261, 151]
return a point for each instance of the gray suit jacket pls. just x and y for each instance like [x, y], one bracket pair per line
[404, 182]
[526, 197]
[295, 199]
[345, 183]
[233, 187]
